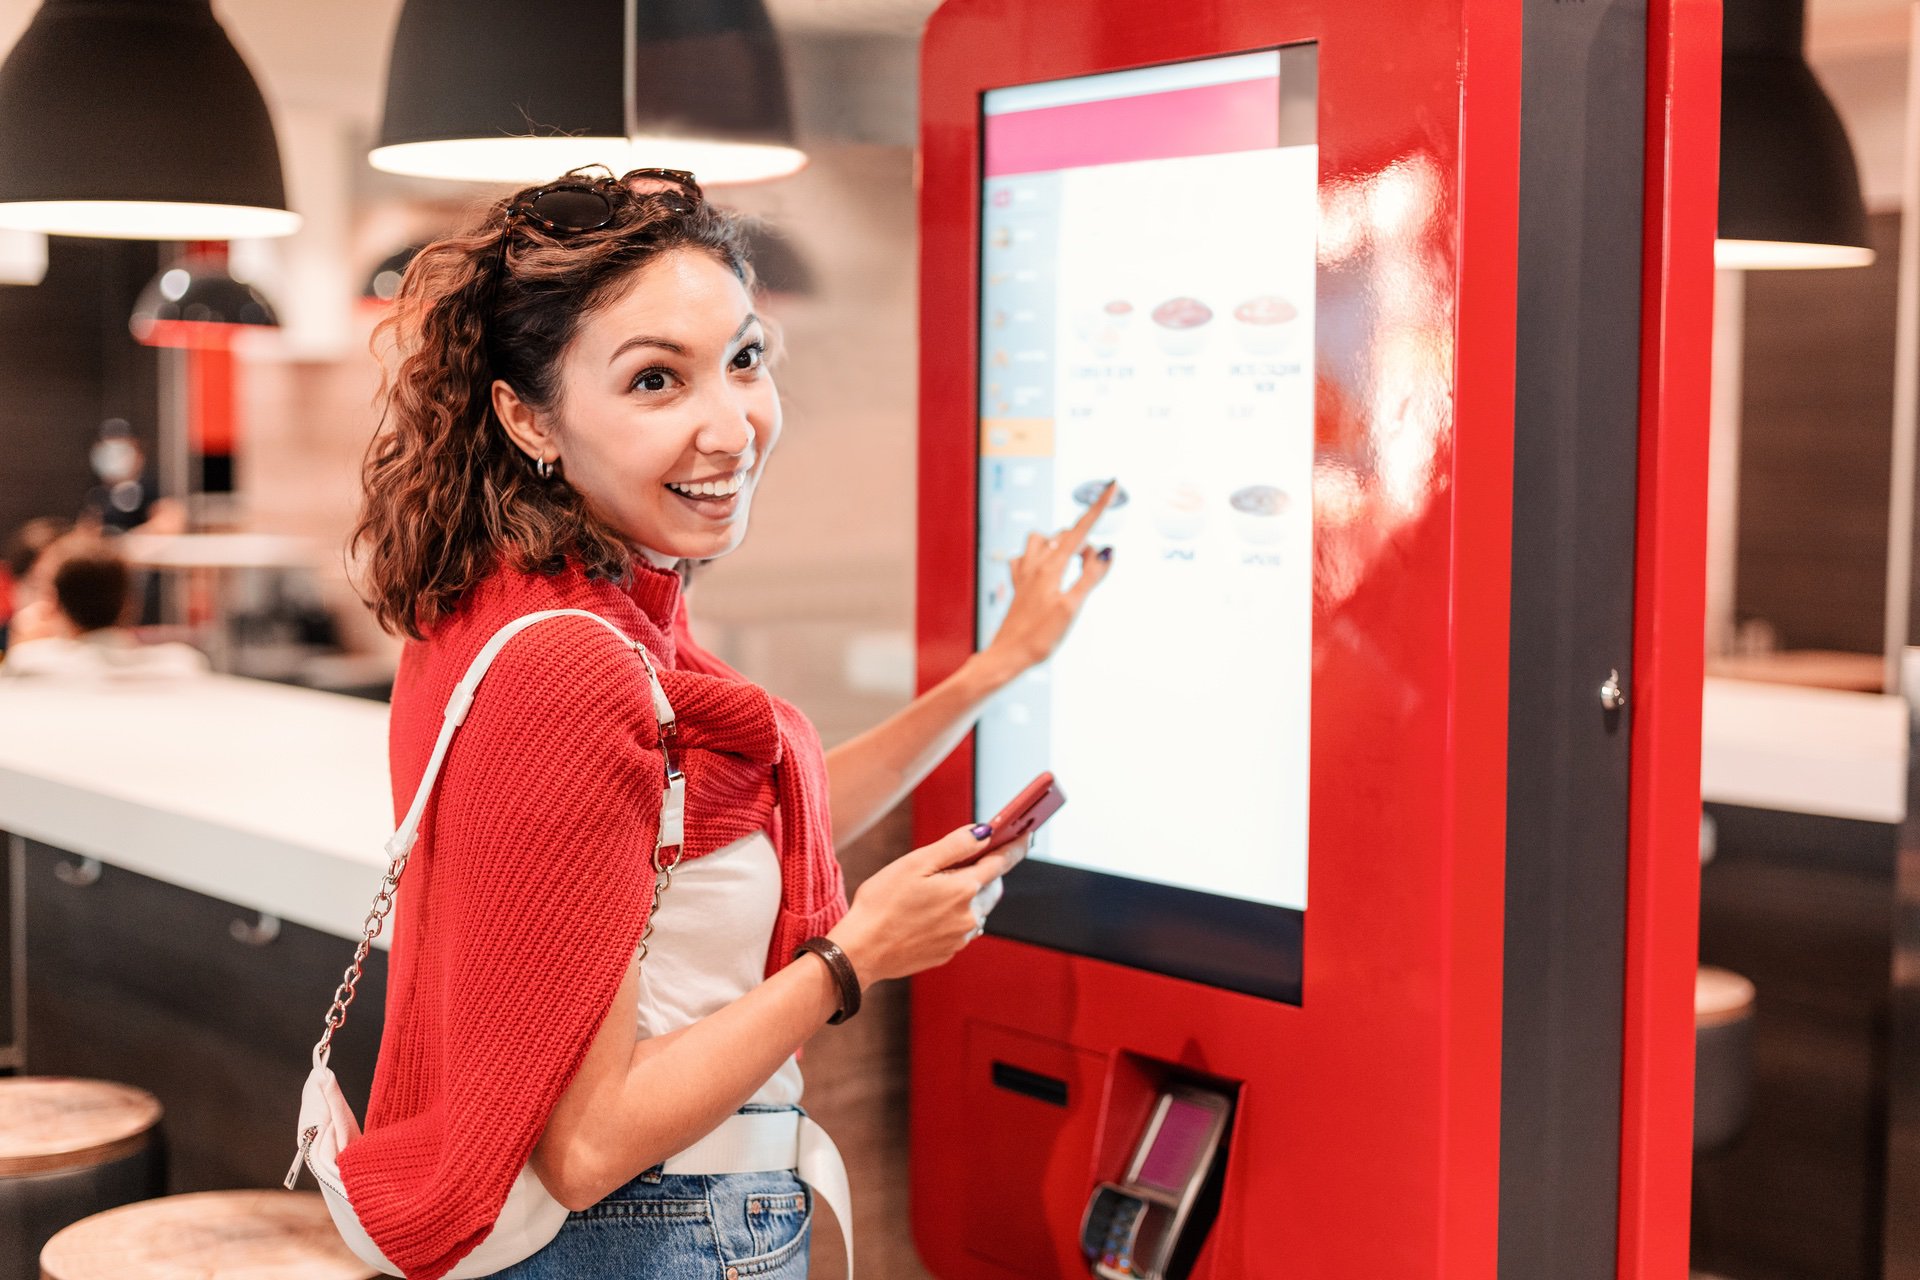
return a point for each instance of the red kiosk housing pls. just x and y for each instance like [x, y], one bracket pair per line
[1366, 1081]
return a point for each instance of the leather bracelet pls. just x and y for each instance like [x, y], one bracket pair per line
[843, 975]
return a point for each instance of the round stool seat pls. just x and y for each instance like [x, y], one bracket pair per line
[1720, 996]
[69, 1148]
[54, 1124]
[1723, 1004]
[235, 1235]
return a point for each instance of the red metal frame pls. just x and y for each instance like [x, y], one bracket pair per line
[1367, 1140]
[1663, 877]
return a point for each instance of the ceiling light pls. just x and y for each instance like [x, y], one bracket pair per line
[503, 91]
[136, 119]
[196, 303]
[1789, 187]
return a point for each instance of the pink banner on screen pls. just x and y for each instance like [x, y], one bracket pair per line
[1242, 115]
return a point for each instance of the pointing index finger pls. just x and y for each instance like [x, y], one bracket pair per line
[1072, 538]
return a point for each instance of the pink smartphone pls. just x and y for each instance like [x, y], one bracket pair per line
[1024, 814]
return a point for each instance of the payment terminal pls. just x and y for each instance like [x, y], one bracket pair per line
[1132, 1227]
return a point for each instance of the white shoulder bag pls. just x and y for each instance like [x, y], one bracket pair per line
[531, 1216]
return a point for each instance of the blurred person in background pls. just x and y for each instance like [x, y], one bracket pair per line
[20, 584]
[125, 500]
[76, 626]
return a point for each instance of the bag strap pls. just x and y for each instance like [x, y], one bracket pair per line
[399, 846]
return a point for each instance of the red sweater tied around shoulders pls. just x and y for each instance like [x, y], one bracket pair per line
[526, 894]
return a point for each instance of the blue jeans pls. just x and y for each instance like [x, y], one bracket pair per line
[728, 1226]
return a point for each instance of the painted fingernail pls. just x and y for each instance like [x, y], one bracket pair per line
[1106, 553]
[981, 830]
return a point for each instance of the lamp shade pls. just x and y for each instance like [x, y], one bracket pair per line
[136, 119]
[505, 91]
[196, 303]
[1789, 186]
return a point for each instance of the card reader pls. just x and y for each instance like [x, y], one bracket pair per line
[1132, 1227]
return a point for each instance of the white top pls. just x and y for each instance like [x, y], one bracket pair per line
[659, 560]
[709, 945]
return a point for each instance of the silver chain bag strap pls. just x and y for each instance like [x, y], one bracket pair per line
[531, 1216]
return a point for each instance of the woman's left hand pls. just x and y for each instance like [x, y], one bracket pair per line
[1042, 610]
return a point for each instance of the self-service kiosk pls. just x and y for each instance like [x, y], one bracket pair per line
[1267, 263]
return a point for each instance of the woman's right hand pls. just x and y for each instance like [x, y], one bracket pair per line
[918, 911]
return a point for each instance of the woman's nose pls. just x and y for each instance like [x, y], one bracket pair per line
[727, 427]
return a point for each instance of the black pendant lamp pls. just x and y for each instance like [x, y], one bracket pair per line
[506, 91]
[136, 119]
[1789, 187]
[197, 303]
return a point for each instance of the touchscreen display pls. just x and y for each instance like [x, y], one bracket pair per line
[1147, 314]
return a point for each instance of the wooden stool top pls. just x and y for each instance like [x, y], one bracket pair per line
[54, 1124]
[1720, 996]
[235, 1235]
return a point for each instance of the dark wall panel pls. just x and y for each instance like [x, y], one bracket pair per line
[1576, 419]
[67, 363]
[1802, 906]
[136, 980]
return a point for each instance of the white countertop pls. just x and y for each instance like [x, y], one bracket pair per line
[1805, 750]
[276, 798]
[219, 550]
[269, 796]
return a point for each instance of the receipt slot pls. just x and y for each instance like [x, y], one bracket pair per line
[1133, 1228]
[1245, 1009]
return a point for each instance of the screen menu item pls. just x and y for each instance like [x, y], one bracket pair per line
[1147, 315]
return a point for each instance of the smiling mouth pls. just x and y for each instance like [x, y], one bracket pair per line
[712, 488]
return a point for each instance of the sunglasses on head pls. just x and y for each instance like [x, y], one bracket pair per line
[587, 204]
[576, 204]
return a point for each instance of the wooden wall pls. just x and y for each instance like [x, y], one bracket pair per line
[1816, 439]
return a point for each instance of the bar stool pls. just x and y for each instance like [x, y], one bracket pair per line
[285, 1235]
[69, 1148]
[1723, 1004]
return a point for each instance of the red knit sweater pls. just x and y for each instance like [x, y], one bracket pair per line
[527, 891]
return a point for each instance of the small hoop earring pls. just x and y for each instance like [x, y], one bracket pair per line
[544, 467]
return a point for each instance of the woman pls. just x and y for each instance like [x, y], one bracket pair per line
[582, 408]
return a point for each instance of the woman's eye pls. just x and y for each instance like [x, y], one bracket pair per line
[750, 356]
[651, 380]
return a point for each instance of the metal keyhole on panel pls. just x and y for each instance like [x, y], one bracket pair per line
[1613, 696]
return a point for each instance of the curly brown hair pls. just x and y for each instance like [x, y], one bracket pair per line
[445, 493]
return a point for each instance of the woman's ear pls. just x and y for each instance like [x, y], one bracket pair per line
[523, 425]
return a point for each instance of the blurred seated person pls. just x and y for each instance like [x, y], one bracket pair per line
[124, 501]
[20, 584]
[76, 628]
